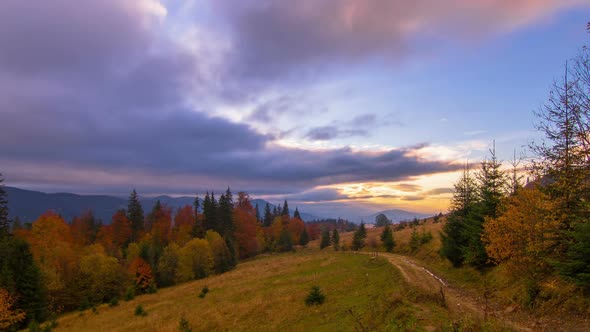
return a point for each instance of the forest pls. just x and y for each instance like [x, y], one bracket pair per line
[537, 231]
[53, 265]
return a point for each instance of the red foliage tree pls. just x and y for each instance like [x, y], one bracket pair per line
[184, 221]
[246, 226]
[142, 275]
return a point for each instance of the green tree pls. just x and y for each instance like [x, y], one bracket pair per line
[382, 220]
[285, 211]
[296, 214]
[325, 242]
[358, 239]
[464, 201]
[285, 241]
[4, 222]
[387, 239]
[135, 216]
[21, 277]
[335, 239]
[268, 217]
[198, 227]
[304, 238]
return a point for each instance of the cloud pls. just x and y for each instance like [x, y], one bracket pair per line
[273, 38]
[439, 191]
[100, 97]
[326, 133]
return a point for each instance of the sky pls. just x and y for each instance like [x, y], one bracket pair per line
[342, 107]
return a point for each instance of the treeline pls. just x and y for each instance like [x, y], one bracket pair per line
[542, 229]
[52, 266]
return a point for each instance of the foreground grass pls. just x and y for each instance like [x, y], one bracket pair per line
[267, 294]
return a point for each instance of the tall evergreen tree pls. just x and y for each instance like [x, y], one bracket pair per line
[387, 239]
[268, 217]
[304, 238]
[257, 213]
[210, 212]
[135, 216]
[21, 277]
[464, 201]
[198, 227]
[335, 239]
[358, 239]
[296, 214]
[325, 241]
[4, 222]
[285, 211]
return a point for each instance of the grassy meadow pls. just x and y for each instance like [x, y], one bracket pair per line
[268, 293]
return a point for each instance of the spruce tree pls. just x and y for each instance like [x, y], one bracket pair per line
[296, 214]
[4, 222]
[304, 238]
[257, 213]
[198, 227]
[285, 211]
[358, 239]
[21, 277]
[453, 236]
[387, 239]
[325, 242]
[135, 216]
[267, 216]
[335, 239]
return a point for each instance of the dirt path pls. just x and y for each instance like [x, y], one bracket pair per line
[459, 303]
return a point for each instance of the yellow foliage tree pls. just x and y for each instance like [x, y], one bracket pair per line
[8, 315]
[195, 261]
[524, 231]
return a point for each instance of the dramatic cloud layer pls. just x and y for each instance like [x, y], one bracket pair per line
[103, 95]
[274, 37]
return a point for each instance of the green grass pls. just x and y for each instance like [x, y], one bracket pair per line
[268, 294]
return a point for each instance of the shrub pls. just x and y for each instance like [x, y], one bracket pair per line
[130, 294]
[315, 297]
[139, 311]
[114, 302]
[204, 292]
[184, 325]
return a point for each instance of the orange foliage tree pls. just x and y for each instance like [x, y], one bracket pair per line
[524, 231]
[184, 221]
[52, 247]
[83, 229]
[142, 275]
[246, 226]
[9, 316]
[161, 224]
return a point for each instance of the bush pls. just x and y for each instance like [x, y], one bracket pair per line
[204, 292]
[184, 325]
[34, 326]
[139, 311]
[315, 297]
[130, 294]
[114, 302]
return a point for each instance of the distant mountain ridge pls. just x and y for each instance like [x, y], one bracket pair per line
[395, 215]
[28, 205]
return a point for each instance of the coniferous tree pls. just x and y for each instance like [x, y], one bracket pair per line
[285, 211]
[135, 216]
[387, 239]
[198, 227]
[304, 238]
[358, 239]
[325, 242]
[4, 223]
[21, 277]
[453, 236]
[335, 239]
[268, 217]
[296, 214]
[257, 213]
